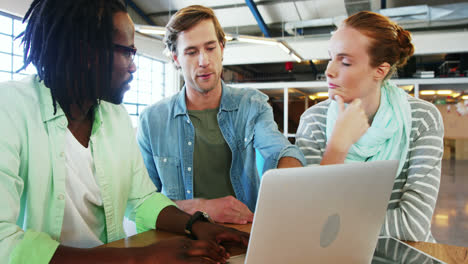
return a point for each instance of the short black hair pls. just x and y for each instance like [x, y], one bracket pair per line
[70, 43]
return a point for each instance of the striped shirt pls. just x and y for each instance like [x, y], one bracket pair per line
[392, 251]
[416, 188]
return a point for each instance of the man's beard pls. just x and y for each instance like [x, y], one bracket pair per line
[116, 96]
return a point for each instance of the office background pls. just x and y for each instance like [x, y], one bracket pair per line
[280, 48]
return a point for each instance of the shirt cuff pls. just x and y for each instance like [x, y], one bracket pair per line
[293, 152]
[35, 247]
[148, 211]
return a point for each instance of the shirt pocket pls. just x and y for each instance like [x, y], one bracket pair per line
[169, 174]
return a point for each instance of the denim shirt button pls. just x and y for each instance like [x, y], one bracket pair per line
[188, 121]
[189, 168]
[188, 191]
[164, 160]
[245, 139]
[190, 143]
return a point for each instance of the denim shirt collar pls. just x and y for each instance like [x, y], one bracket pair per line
[227, 102]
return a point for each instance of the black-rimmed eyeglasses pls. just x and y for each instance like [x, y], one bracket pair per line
[128, 52]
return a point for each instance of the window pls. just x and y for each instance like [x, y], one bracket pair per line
[11, 53]
[147, 87]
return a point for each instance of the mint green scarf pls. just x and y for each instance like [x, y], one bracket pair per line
[389, 135]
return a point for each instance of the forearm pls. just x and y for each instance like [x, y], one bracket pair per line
[226, 209]
[71, 255]
[289, 162]
[172, 219]
[334, 154]
[407, 222]
[409, 216]
[191, 206]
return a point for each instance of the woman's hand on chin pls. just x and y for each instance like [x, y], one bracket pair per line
[351, 124]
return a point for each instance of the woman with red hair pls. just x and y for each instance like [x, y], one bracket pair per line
[368, 118]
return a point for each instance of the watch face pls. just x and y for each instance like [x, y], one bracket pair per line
[207, 217]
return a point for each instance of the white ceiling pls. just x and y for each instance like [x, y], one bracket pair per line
[235, 14]
[236, 18]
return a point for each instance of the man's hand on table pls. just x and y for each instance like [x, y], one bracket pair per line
[220, 234]
[222, 210]
[178, 250]
[181, 251]
[210, 242]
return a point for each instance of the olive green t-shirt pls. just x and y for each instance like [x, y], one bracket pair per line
[211, 157]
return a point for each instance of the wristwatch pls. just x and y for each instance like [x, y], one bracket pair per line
[197, 216]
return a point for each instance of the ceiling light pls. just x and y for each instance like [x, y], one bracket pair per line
[151, 30]
[297, 58]
[455, 95]
[257, 40]
[322, 94]
[464, 97]
[444, 92]
[284, 47]
[270, 41]
[312, 97]
[427, 92]
[407, 87]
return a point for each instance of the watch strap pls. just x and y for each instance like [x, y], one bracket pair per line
[197, 216]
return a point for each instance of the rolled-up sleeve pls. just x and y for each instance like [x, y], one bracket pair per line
[145, 203]
[269, 141]
[148, 211]
[34, 247]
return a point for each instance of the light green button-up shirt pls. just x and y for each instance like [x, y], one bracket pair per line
[32, 173]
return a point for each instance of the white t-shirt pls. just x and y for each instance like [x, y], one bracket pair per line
[81, 224]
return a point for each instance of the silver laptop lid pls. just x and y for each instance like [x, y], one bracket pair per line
[330, 214]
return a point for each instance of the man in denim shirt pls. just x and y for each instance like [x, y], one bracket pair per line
[201, 143]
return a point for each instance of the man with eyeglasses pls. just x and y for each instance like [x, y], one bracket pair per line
[70, 167]
[201, 145]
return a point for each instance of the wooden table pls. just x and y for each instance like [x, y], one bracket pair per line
[446, 253]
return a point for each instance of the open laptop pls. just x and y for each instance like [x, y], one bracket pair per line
[324, 214]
